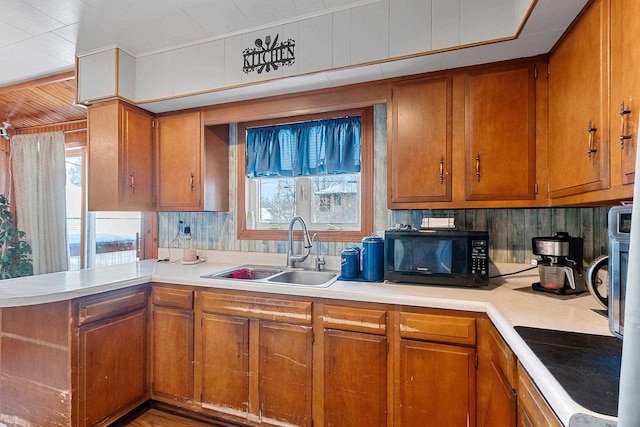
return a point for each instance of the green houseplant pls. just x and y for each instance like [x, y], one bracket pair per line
[14, 250]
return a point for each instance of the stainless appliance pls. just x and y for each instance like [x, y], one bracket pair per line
[560, 264]
[437, 257]
[617, 262]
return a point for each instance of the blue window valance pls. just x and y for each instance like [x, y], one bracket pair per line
[309, 148]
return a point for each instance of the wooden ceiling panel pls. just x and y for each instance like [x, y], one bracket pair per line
[40, 102]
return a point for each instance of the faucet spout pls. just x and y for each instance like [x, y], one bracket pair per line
[293, 259]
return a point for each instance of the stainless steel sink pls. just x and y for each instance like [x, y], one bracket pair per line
[305, 277]
[277, 276]
[247, 272]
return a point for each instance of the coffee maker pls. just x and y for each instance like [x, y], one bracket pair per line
[560, 264]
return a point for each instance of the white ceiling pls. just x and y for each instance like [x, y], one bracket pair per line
[41, 37]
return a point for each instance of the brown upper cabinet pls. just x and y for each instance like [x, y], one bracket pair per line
[500, 137]
[120, 157]
[578, 93]
[420, 140]
[625, 86]
[193, 165]
[464, 140]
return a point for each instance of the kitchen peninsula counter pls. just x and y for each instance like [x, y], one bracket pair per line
[507, 301]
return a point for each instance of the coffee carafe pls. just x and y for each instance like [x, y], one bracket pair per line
[560, 264]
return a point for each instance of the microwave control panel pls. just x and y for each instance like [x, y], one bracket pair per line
[480, 257]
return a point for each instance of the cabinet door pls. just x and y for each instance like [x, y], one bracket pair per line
[285, 372]
[349, 358]
[225, 363]
[112, 367]
[419, 148]
[578, 96]
[625, 83]
[437, 384]
[172, 353]
[533, 410]
[501, 406]
[137, 158]
[179, 162]
[120, 144]
[500, 134]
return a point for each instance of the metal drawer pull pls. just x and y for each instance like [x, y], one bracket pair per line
[592, 131]
[191, 182]
[441, 169]
[132, 186]
[478, 166]
[624, 124]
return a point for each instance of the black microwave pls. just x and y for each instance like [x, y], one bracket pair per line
[437, 257]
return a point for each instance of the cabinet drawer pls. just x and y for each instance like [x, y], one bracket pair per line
[503, 356]
[432, 327]
[355, 319]
[171, 297]
[257, 307]
[110, 305]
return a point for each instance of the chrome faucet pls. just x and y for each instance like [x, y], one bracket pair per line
[292, 258]
[320, 262]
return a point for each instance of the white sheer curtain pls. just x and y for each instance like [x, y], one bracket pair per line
[39, 178]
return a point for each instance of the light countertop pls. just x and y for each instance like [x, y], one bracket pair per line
[507, 301]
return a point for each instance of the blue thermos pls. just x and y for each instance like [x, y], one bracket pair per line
[350, 263]
[373, 259]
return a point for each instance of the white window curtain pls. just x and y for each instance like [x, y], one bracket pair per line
[39, 178]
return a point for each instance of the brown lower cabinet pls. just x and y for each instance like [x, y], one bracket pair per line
[80, 362]
[437, 358]
[112, 356]
[353, 366]
[533, 410]
[172, 344]
[254, 358]
[497, 379]
[259, 359]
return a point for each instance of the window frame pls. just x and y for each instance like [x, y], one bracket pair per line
[366, 179]
[76, 150]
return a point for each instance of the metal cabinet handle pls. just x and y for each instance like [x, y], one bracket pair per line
[191, 183]
[132, 184]
[592, 132]
[478, 166]
[624, 124]
[441, 176]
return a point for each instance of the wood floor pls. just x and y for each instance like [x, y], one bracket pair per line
[157, 418]
[154, 417]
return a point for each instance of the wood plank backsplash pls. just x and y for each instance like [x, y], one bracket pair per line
[510, 230]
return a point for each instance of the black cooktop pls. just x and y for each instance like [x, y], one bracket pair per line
[586, 366]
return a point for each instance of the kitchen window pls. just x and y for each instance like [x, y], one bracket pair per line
[318, 166]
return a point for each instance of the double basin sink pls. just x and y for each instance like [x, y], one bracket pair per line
[277, 276]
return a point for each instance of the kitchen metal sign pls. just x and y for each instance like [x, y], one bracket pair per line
[268, 55]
